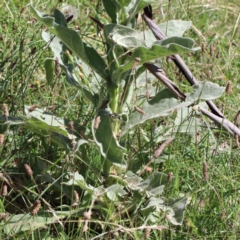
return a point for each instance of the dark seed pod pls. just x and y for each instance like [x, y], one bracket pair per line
[32, 108]
[203, 47]
[80, 67]
[229, 87]
[237, 140]
[22, 10]
[236, 118]
[33, 51]
[57, 66]
[187, 223]
[223, 215]
[28, 170]
[139, 110]
[11, 66]
[69, 18]
[212, 50]
[52, 107]
[35, 208]
[205, 171]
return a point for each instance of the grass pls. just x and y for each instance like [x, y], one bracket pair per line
[213, 210]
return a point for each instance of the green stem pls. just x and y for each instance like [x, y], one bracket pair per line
[115, 105]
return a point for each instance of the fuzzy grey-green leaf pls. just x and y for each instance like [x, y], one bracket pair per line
[205, 91]
[106, 140]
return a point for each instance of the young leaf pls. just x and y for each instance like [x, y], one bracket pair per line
[111, 7]
[174, 209]
[115, 192]
[123, 36]
[178, 206]
[154, 184]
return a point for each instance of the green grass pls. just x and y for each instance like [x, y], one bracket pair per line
[213, 210]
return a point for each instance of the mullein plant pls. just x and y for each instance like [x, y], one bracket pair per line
[116, 100]
[115, 86]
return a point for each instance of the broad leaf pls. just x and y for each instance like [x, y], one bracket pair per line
[174, 209]
[205, 91]
[73, 41]
[123, 36]
[106, 140]
[175, 27]
[171, 28]
[111, 7]
[131, 8]
[70, 78]
[42, 17]
[55, 44]
[163, 104]
[56, 129]
[154, 184]
[10, 120]
[167, 47]
[115, 192]
[56, 183]
[95, 61]
[77, 179]
[26, 222]
[187, 121]
[59, 18]
[124, 11]
[178, 206]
